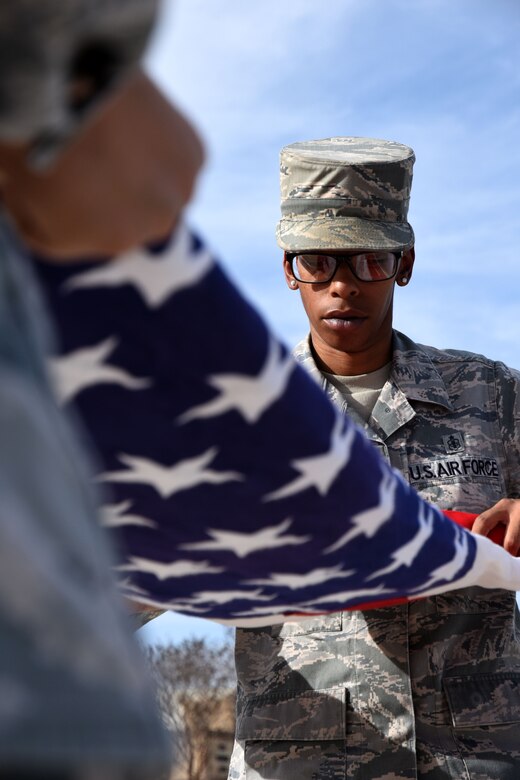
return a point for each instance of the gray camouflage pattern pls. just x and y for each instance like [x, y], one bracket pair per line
[74, 691]
[345, 193]
[39, 41]
[427, 690]
[75, 696]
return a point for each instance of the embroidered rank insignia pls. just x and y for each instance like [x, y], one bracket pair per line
[453, 443]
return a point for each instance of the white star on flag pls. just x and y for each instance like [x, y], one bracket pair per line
[406, 554]
[250, 396]
[369, 522]
[294, 581]
[225, 596]
[128, 585]
[245, 544]
[450, 569]
[156, 277]
[113, 516]
[320, 471]
[351, 595]
[85, 367]
[168, 480]
[164, 571]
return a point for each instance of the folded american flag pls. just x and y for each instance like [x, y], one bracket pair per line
[238, 492]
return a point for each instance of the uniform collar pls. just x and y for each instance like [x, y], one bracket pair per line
[303, 354]
[413, 378]
[415, 374]
[413, 371]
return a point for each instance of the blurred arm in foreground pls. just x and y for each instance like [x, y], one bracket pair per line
[81, 169]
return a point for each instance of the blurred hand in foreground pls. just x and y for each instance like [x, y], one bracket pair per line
[122, 182]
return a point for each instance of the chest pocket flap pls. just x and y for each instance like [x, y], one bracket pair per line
[310, 715]
[483, 699]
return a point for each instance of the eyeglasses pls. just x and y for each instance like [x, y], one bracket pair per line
[316, 268]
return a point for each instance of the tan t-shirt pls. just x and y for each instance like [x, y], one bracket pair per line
[362, 391]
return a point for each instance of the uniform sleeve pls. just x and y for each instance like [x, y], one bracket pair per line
[58, 59]
[507, 384]
[239, 492]
[77, 690]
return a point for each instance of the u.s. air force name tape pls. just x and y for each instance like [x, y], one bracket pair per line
[448, 468]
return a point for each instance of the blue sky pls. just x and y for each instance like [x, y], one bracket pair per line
[442, 76]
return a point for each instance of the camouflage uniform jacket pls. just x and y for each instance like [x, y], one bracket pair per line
[426, 690]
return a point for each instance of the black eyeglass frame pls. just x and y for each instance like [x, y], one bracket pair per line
[346, 259]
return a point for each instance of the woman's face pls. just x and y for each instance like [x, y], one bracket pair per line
[351, 320]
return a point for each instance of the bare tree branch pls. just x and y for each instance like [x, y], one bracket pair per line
[194, 680]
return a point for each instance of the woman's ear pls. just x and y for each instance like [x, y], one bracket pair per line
[291, 282]
[406, 267]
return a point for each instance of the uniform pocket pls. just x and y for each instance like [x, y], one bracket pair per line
[471, 480]
[300, 735]
[477, 601]
[309, 715]
[485, 715]
[483, 699]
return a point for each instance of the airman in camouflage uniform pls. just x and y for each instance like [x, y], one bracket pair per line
[430, 689]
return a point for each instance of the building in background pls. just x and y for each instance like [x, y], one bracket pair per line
[196, 685]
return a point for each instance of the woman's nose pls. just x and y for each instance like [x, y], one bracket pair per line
[344, 283]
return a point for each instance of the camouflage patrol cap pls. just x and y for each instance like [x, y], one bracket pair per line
[345, 193]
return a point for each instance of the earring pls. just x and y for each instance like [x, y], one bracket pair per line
[404, 280]
[293, 283]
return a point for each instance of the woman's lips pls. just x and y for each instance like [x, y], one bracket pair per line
[344, 320]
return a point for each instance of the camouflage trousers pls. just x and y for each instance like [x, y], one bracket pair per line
[424, 691]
